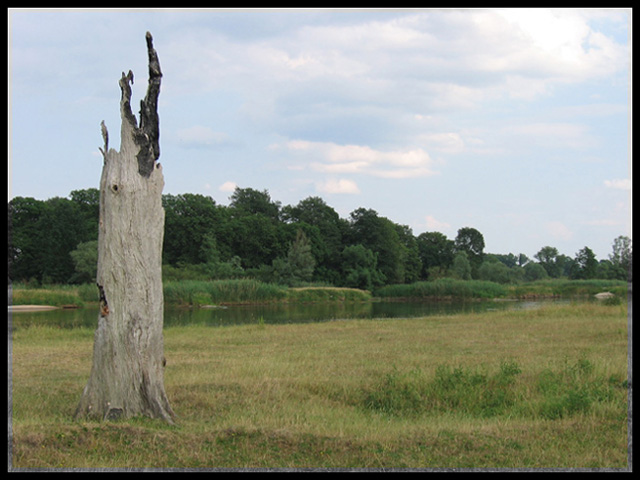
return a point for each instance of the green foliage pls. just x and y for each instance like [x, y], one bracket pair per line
[621, 258]
[480, 393]
[436, 253]
[360, 268]
[42, 234]
[256, 237]
[85, 259]
[470, 241]
[461, 268]
[299, 265]
[586, 265]
[534, 272]
[495, 271]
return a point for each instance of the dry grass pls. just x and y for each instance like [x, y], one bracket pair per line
[294, 396]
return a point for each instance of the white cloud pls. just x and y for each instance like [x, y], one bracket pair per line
[327, 157]
[560, 44]
[620, 184]
[333, 186]
[437, 225]
[227, 187]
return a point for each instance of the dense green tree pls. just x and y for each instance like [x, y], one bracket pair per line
[26, 238]
[85, 260]
[534, 271]
[300, 259]
[359, 267]
[494, 270]
[49, 241]
[297, 267]
[511, 260]
[607, 270]
[65, 229]
[190, 219]
[586, 265]
[42, 234]
[436, 253]
[324, 228]
[410, 255]
[621, 258]
[88, 208]
[471, 241]
[548, 258]
[248, 201]
[379, 235]
[461, 267]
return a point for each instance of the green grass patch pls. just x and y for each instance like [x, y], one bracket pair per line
[477, 392]
[57, 297]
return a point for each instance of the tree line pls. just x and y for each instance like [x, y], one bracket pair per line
[55, 241]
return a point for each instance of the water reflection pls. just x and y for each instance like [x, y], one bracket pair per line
[275, 314]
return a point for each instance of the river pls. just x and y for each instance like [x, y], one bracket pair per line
[276, 313]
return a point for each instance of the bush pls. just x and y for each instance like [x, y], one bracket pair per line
[479, 393]
[458, 390]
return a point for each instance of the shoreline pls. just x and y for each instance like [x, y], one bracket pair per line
[31, 308]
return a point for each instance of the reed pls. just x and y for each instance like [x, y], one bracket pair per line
[567, 288]
[195, 292]
[57, 297]
[444, 288]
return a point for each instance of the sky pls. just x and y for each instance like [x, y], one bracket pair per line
[515, 122]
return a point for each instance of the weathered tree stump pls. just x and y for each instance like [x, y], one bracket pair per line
[127, 375]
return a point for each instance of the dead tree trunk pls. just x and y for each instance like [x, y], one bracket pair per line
[127, 375]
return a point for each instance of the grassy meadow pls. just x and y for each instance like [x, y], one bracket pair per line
[541, 388]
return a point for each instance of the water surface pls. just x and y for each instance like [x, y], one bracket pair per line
[276, 313]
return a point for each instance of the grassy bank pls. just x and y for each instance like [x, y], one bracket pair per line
[541, 388]
[444, 288]
[452, 288]
[201, 292]
[195, 293]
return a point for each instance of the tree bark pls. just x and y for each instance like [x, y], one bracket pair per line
[127, 375]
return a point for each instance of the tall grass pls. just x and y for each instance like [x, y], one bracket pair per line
[42, 296]
[563, 288]
[194, 292]
[444, 288]
[454, 288]
[327, 294]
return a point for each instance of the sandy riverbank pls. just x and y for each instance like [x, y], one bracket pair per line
[31, 308]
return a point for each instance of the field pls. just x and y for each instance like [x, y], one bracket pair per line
[544, 388]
